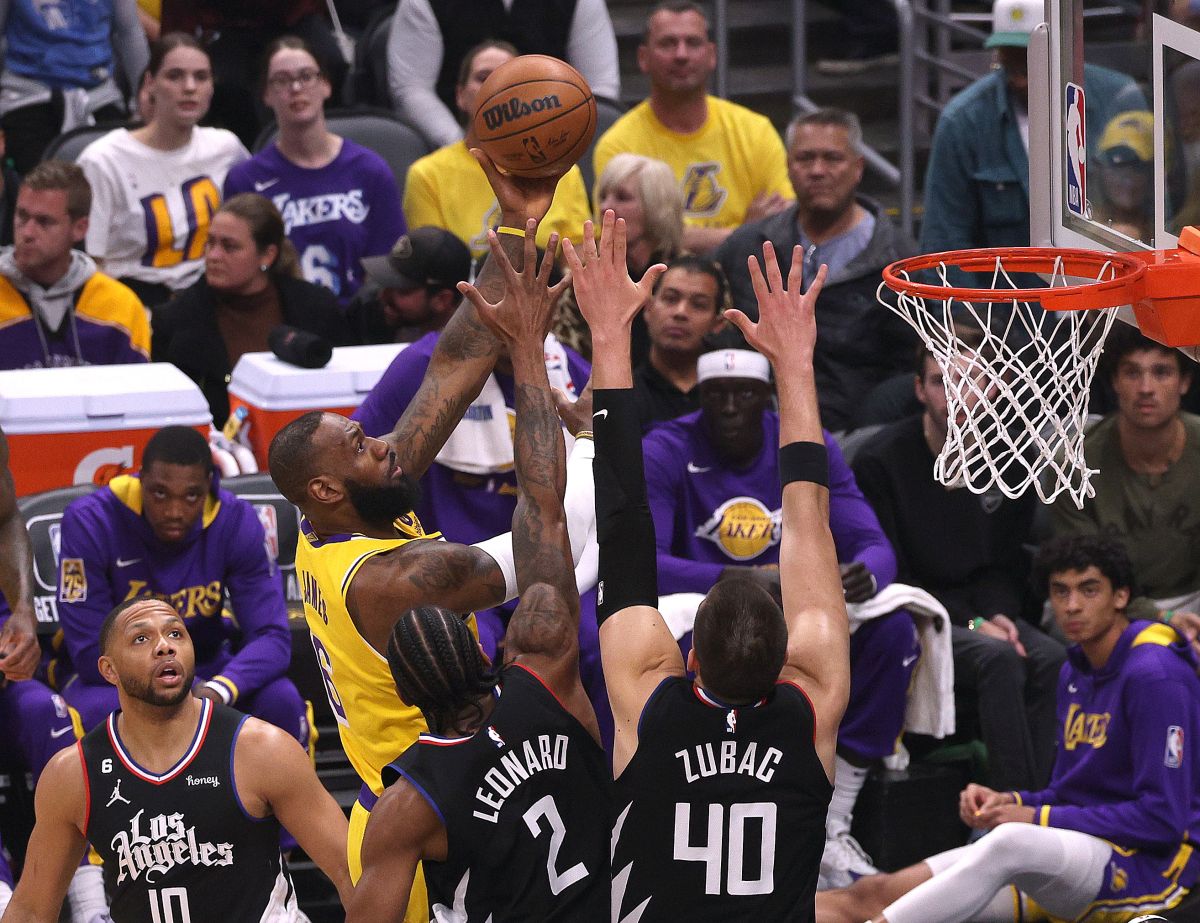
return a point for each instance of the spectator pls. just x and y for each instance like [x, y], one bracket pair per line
[712, 482]
[237, 34]
[58, 69]
[643, 191]
[250, 286]
[448, 189]
[1111, 836]
[58, 309]
[859, 346]
[172, 533]
[977, 182]
[412, 290]
[729, 161]
[338, 199]
[966, 550]
[684, 312]
[1147, 461]
[1124, 175]
[429, 41]
[155, 188]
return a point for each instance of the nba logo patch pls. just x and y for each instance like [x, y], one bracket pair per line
[270, 523]
[72, 581]
[1173, 758]
[1075, 151]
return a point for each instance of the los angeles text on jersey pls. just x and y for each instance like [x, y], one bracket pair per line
[516, 765]
[164, 843]
[728, 757]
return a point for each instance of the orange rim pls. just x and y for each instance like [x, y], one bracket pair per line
[1128, 273]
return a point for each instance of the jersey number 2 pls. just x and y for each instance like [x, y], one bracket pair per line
[163, 903]
[713, 851]
[545, 807]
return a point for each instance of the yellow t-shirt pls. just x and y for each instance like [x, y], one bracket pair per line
[736, 156]
[152, 7]
[448, 189]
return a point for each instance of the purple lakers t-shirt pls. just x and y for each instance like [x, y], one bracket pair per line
[333, 215]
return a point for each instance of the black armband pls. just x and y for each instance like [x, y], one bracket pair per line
[804, 461]
[624, 527]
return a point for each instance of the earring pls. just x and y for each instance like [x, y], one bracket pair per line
[263, 267]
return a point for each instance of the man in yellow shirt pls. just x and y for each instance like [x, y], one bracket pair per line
[729, 160]
[448, 190]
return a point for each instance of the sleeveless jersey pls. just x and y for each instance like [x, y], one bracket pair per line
[373, 723]
[525, 801]
[180, 846]
[721, 811]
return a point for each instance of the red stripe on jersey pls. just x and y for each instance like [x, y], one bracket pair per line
[197, 743]
[544, 686]
[87, 788]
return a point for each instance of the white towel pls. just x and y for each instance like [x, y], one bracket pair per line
[482, 442]
[930, 695]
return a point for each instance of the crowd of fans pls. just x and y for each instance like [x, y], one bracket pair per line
[169, 241]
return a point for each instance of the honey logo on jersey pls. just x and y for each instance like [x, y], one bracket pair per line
[72, 581]
[743, 528]
[703, 196]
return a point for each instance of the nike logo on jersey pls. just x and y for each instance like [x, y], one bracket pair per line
[127, 562]
[1071, 688]
[693, 468]
[600, 414]
[61, 731]
[259, 187]
[908, 661]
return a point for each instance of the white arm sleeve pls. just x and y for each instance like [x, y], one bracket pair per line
[592, 48]
[414, 57]
[579, 503]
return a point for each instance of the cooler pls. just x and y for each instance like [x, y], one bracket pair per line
[271, 393]
[89, 423]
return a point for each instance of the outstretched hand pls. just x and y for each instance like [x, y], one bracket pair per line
[608, 298]
[519, 197]
[523, 315]
[787, 325]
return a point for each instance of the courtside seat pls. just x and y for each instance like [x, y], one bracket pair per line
[43, 518]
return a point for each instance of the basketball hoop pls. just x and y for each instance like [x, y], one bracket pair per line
[1017, 401]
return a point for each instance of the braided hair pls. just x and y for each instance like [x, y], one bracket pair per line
[437, 664]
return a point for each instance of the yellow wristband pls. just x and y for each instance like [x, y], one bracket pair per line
[584, 434]
[515, 232]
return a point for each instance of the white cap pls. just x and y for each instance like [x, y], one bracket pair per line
[733, 363]
[1013, 21]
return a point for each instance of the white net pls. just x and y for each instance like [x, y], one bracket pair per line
[1017, 389]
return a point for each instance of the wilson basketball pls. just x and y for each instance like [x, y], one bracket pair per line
[536, 116]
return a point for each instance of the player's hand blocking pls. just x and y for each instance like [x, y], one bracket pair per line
[524, 314]
[786, 331]
[608, 298]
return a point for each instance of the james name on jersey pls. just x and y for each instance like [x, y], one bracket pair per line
[164, 843]
[514, 767]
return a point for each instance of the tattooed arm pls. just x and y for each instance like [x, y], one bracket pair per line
[18, 636]
[466, 350]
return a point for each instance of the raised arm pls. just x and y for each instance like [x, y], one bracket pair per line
[637, 648]
[818, 657]
[18, 636]
[466, 351]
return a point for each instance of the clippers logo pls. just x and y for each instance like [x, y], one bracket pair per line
[496, 738]
[1075, 151]
[1173, 758]
[72, 582]
[503, 113]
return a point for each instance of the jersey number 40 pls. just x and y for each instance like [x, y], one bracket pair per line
[729, 851]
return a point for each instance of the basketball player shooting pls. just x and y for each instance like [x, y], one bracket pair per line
[505, 799]
[183, 798]
[722, 784]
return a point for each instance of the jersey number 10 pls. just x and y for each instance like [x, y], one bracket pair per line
[731, 850]
[164, 902]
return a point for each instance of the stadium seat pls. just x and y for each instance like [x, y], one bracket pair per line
[367, 84]
[280, 521]
[607, 112]
[377, 129]
[43, 518]
[69, 145]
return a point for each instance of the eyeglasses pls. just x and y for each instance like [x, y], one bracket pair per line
[305, 78]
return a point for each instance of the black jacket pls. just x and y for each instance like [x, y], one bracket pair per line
[185, 333]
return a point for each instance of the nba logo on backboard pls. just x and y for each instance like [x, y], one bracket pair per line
[1075, 151]
[1173, 758]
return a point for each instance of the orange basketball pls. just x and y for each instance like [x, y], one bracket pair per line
[536, 116]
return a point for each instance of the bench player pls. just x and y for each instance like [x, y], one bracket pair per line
[182, 798]
[505, 798]
[722, 784]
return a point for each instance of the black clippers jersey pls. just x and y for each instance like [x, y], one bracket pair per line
[178, 846]
[721, 811]
[526, 804]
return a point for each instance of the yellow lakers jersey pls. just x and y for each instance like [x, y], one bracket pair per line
[375, 726]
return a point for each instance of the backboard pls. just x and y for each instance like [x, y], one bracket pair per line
[1114, 125]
